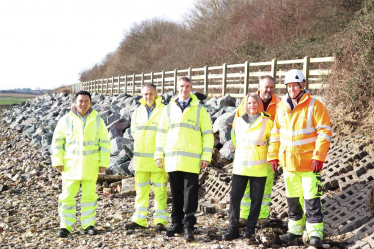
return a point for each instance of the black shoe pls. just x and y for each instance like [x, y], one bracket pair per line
[188, 234]
[249, 232]
[315, 241]
[133, 225]
[288, 237]
[232, 233]
[63, 233]
[90, 230]
[160, 227]
[175, 228]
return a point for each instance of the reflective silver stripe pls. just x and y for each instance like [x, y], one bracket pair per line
[146, 128]
[66, 222]
[164, 217]
[274, 139]
[142, 184]
[59, 147]
[89, 204]
[68, 128]
[206, 149]
[105, 150]
[247, 204]
[71, 142]
[297, 132]
[59, 139]
[325, 136]
[266, 196]
[274, 130]
[141, 209]
[162, 130]
[88, 220]
[206, 132]
[65, 215]
[140, 216]
[89, 152]
[254, 142]
[87, 213]
[159, 149]
[262, 132]
[197, 124]
[159, 185]
[310, 113]
[86, 143]
[298, 228]
[327, 127]
[299, 142]
[104, 141]
[253, 163]
[139, 154]
[265, 203]
[184, 125]
[182, 153]
[160, 211]
[246, 196]
[64, 207]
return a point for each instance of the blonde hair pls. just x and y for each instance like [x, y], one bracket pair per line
[260, 106]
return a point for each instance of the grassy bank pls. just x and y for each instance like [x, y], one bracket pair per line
[7, 100]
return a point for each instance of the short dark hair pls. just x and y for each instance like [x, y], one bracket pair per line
[83, 93]
[266, 77]
[185, 79]
[149, 85]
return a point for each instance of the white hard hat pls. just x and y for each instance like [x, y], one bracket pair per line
[294, 75]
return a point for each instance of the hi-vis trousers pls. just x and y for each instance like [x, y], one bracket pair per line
[245, 204]
[305, 185]
[143, 189]
[67, 204]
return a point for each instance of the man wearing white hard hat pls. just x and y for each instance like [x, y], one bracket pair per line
[300, 140]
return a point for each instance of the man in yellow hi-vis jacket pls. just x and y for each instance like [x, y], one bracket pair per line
[300, 140]
[80, 150]
[144, 123]
[184, 144]
[269, 101]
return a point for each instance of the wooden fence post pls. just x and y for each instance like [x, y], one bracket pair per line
[106, 88]
[224, 73]
[163, 82]
[189, 74]
[246, 77]
[125, 83]
[206, 80]
[142, 81]
[306, 70]
[133, 84]
[112, 85]
[274, 68]
[151, 77]
[175, 80]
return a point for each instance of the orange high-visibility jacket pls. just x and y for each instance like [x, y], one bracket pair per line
[300, 136]
[272, 107]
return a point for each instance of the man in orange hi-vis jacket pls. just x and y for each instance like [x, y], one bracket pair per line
[269, 100]
[299, 141]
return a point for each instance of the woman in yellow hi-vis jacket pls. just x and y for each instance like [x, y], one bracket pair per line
[80, 150]
[250, 135]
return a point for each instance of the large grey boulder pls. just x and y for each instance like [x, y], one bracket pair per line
[212, 102]
[226, 100]
[227, 150]
[199, 96]
[120, 124]
[223, 121]
[112, 118]
[116, 144]
[238, 101]
[104, 115]
[225, 134]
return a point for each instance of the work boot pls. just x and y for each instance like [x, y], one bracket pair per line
[263, 222]
[315, 241]
[160, 227]
[175, 228]
[133, 225]
[242, 222]
[249, 232]
[231, 234]
[90, 230]
[188, 234]
[63, 233]
[288, 237]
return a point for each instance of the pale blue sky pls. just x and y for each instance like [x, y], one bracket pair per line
[46, 43]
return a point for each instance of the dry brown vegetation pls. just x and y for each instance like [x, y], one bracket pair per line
[61, 89]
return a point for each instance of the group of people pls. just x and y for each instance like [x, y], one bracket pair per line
[173, 142]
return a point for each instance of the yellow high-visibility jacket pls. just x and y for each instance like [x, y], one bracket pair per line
[81, 149]
[272, 107]
[301, 135]
[144, 133]
[184, 139]
[251, 143]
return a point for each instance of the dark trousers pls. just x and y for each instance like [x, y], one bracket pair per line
[239, 183]
[184, 192]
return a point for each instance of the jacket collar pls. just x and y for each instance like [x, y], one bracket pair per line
[303, 99]
[157, 101]
[194, 100]
[273, 98]
[92, 112]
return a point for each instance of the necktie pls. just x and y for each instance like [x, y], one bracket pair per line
[183, 104]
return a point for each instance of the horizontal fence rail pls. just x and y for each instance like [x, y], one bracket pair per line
[215, 81]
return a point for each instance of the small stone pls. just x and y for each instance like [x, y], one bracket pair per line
[34, 220]
[215, 246]
[326, 246]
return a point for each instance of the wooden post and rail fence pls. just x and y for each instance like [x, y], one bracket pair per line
[214, 81]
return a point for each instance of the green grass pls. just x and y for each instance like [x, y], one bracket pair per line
[12, 100]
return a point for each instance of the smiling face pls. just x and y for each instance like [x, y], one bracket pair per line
[149, 95]
[293, 89]
[252, 106]
[83, 104]
[184, 89]
[266, 88]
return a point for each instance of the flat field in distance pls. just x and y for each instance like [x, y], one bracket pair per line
[8, 99]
